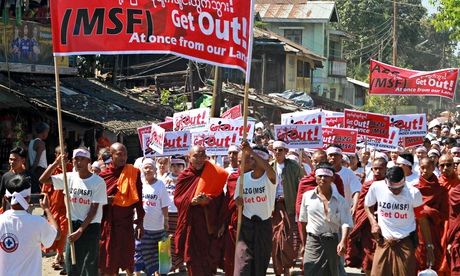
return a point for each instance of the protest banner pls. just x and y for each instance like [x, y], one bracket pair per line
[215, 32]
[394, 81]
[300, 136]
[157, 138]
[216, 143]
[410, 125]
[387, 144]
[193, 120]
[411, 141]
[307, 117]
[368, 124]
[176, 142]
[233, 113]
[143, 134]
[222, 125]
[344, 137]
[334, 119]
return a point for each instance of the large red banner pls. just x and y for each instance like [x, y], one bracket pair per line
[211, 31]
[368, 124]
[390, 80]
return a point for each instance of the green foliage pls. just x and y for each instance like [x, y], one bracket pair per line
[448, 17]
[178, 102]
[164, 96]
[384, 104]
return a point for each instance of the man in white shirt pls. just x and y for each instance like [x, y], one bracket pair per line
[398, 207]
[420, 153]
[233, 159]
[254, 245]
[87, 194]
[323, 214]
[351, 183]
[22, 234]
[406, 162]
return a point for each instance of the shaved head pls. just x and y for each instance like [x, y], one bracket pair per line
[446, 165]
[319, 156]
[197, 157]
[426, 167]
[119, 155]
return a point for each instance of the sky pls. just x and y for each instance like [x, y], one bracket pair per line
[431, 9]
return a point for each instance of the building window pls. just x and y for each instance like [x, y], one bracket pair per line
[332, 93]
[294, 35]
[303, 69]
[334, 49]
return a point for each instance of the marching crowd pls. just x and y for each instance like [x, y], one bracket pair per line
[388, 213]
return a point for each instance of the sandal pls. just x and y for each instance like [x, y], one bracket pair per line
[56, 266]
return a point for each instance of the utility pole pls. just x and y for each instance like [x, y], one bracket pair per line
[395, 39]
[217, 92]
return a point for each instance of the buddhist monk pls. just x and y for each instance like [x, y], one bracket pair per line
[453, 236]
[58, 210]
[448, 179]
[199, 198]
[361, 246]
[435, 210]
[124, 192]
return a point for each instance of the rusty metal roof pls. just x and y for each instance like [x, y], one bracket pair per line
[296, 11]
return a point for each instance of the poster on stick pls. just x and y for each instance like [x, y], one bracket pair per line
[334, 119]
[344, 137]
[368, 124]
[216, 32]
[394, 81]
[225, 125]
[386, 144]
[176, 142]
[157, 138]
[307, 117]
[300, 136]
[410, 125]
[216, 143]
[193, 120]
[233, 113]
[144, 140]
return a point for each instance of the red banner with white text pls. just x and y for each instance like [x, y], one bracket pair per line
[394, 81]
[368, 124]
[212, 31]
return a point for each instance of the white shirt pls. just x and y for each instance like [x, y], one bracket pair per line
[312, 212]
[437, 172]
[154, 198]
[351, 183]
[412, 179]
[230, 169]
[21, 238]
[42, 162]
[170, 185]
[395, 213]
[82, 193]
[258, 196]
[279, 177]
[391, 164]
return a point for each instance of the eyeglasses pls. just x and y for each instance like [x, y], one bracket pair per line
[446, 165]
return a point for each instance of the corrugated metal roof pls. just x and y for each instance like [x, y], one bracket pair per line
[311, 11]
[359, 83]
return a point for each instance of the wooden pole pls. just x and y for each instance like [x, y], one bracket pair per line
[61, 145]
[395, 39]
[216, 92]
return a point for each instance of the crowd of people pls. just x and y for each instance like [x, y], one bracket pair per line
[387, 213]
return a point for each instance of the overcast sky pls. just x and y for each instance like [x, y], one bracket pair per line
[431, 9]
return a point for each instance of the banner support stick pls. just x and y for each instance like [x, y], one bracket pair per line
[61, 145]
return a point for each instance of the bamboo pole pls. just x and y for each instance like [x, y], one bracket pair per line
[61, 145]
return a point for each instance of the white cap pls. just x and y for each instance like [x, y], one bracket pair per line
[435, 142]
[421, 149]
[148, 161]
[259, 125]
[179, 161]
[279, 144]
[333, 150]
[96, 165]
[455, 150]
[233, 148]
[81, 153]
[434, 152]
[346, 159]
[457, 127]
[381, 155]
[456, 159]
[446, 129]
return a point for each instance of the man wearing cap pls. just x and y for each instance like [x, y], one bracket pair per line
[455, 151]
[436, 210]
[124, 192]
[286, 240]
[406, 162]
[233, 159]
[254, 245]
[399, 206]
[351, 183]
[420, 153]
[449, 180]
[434, 156]
[57, 207]
[324, 214]
[361, 246]
[87, 194]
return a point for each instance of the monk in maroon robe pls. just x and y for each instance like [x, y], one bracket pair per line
[231, 220]
[117, 237]
[361, 245]
[436, 210]
[198, 219]
[453, 235]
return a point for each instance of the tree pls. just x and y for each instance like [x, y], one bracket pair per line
[448, 17]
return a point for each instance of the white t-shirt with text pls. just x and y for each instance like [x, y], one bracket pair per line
[258, 196]
[21, 238]
[154, 198]
[82, 193]
[395, 213]
[351, 184]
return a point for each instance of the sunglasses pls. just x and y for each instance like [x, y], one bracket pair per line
[446, 165]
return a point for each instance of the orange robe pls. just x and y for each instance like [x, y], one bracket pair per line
[450, 184]
[58, 210]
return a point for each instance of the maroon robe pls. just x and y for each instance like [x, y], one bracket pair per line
[453, 235]
[117, 236]
[201, 250]
[436, 210]
[231, 220]
[361, 245]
